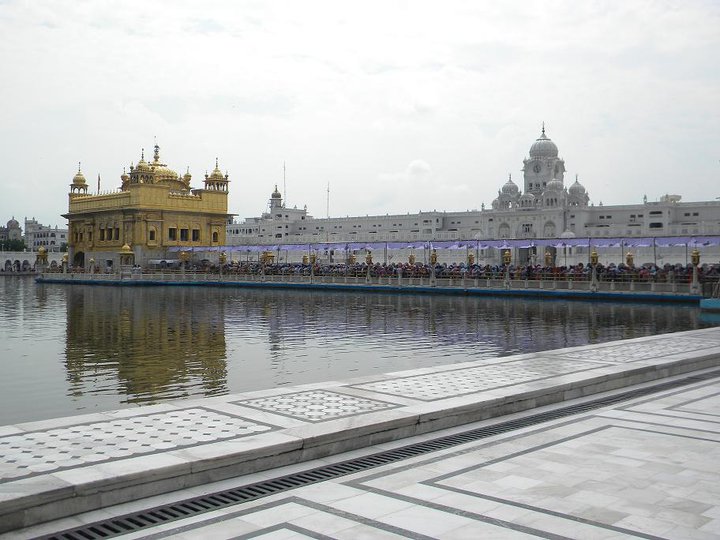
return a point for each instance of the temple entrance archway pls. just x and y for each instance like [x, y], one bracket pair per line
[79, 260]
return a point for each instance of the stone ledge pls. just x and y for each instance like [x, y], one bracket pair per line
[45, 496]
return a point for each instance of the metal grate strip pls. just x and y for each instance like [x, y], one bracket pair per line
[214, 501]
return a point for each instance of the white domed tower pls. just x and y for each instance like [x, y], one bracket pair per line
[275, 199]
[543, 165]
[577, 195]
[508, 196]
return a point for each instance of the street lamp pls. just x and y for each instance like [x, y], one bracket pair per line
[507, 259]
[695, 259]
[223, 260]
[593, 264]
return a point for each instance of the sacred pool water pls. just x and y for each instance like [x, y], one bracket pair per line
[76, 349]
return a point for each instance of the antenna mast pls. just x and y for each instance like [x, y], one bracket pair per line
[328, 200]
[284, 187]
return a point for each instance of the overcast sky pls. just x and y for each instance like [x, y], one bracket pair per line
[399, 106]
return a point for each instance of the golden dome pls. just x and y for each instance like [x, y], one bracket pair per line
[125, 248]
[217, 173]
[161, 170]
[42, 250]
[79, 179]
[142, 164]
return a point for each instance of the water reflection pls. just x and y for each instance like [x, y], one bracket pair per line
[145, 345]
[69, 349]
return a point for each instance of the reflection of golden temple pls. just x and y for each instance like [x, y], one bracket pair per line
[154, 209]
[154, 343]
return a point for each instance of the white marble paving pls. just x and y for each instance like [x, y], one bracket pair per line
[648, 466]
[471, 380]
[316, 405]
[24, 454]
[642, 350]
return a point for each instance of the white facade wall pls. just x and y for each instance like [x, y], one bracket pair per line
[548, 209]
[36, 235]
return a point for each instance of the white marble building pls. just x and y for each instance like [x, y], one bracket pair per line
[37, 234]
[546, 208]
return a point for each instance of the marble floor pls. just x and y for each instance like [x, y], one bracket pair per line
[646, 467]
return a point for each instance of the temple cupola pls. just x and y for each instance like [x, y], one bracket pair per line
[79, 184]
[216, 181]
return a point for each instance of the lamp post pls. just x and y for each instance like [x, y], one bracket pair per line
[433, 262]
[368, 261]
[41, 259]
[223, 260]
[184, 258]
[593, 264]
[695, 259]
[629, 260]
[507, 259]
[548, 258]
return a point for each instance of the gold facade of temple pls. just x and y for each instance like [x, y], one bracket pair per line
[155, 209]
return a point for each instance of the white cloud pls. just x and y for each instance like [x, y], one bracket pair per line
[345, 93]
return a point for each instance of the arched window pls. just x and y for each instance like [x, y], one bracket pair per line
[215, 237]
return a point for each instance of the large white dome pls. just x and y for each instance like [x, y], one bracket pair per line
[543, 147]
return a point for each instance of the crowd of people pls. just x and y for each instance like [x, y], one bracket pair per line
[580, 272]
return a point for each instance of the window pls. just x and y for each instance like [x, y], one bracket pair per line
[215, 237]
[184, 235]
[656, 213]
[117, 233]
[656, 225]
[102, 234]
[172, 233]
[196, 235]
[151, 235]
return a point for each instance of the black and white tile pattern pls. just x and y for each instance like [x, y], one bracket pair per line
[644, 350]
[470, 380]
[316, 405]
[45, 451]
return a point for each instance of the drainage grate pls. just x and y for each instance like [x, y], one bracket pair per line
[190, 507]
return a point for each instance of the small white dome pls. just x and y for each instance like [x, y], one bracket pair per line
[577, 188]
[510, 188]
[554, 185]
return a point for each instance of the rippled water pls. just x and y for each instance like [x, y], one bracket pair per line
[73, 349]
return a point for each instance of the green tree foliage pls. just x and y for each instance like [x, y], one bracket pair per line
[12, 245]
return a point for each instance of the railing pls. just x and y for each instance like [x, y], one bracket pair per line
[460, 282]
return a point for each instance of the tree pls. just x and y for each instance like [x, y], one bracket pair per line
[12, 245]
